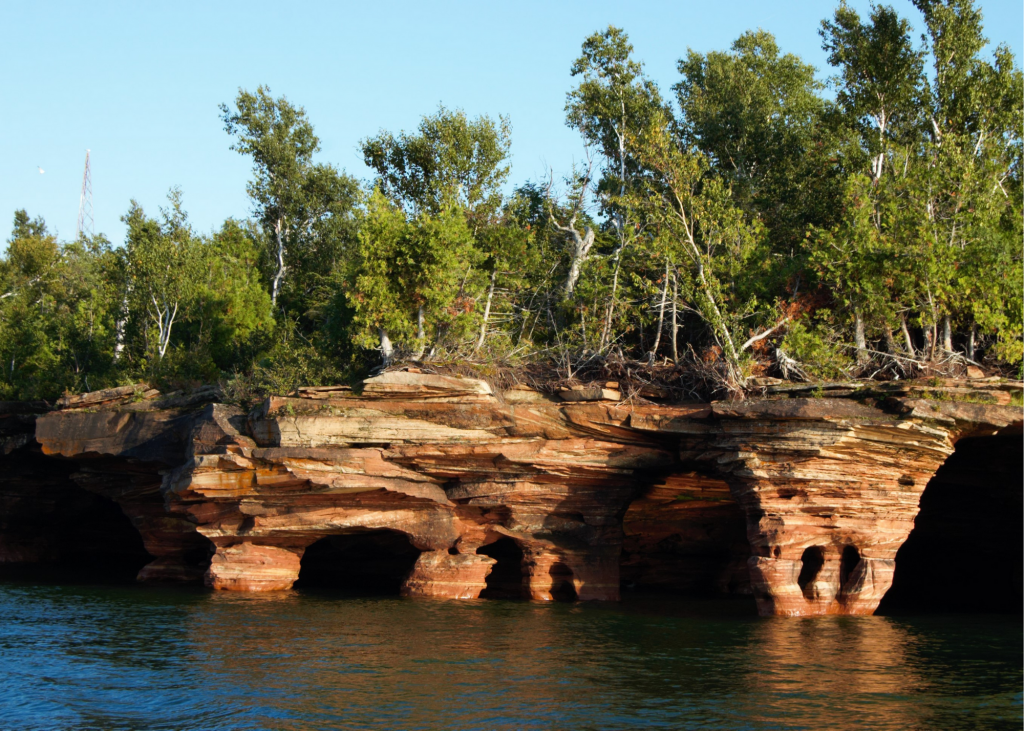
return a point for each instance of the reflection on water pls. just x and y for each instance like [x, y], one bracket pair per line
[143, 658]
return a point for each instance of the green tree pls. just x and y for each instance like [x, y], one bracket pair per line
[613, 103]
[758, 116]
[697, 225]
[880, 85]
[451, 168]
[55, 313]
[881, 93]
[969, 192]
[162, 264]
[450, 160]
[305, 208]
[233, 309]
[410, 279]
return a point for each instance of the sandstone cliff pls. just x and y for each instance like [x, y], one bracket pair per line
[802, 501]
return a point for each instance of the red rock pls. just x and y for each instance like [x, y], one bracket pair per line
[686, 534]
[804, 502]
[249, 567]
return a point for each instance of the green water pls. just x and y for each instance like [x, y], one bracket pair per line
[76, 657]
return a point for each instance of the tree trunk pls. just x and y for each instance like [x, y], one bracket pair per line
[163, 315]
[858, 338]
[661, 318]
[947, 334]
[906, 337]
[675, 321]
[387, 351]
[279, 276]
[166, 324]
[581, 249]
[120, 325]
[890, 341]
[607, 328]
[421, 335]
[971, 341]
[487, 309]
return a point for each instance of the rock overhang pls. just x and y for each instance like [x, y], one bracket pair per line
[449, 463]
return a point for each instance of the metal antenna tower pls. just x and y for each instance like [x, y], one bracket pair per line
[86, 223]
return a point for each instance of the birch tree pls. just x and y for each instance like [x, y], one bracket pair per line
[968, 191]
[881, 92]
[698, 225]
[163, 268]
[302, 206]
[613, 103]
[450, 169]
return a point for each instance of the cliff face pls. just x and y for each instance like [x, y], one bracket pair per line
[453, 491]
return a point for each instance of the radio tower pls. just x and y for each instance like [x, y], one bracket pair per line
[86, 224]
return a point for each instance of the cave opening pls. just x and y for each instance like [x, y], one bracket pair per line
[563, 588]
[847, 565]
[53, 529]
[685, 536]
[368, 563]
[812, 560]
[506, 579]
[964, 554]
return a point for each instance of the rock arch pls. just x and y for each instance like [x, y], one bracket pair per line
[364, 562]
[686, 534]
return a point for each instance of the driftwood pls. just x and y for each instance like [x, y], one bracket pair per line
[106, 396]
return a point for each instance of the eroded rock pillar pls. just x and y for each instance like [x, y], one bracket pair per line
[249, 567]
[553, 574]
[450, 576]
[804, 586]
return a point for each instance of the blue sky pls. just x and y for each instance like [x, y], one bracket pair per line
[139, 83]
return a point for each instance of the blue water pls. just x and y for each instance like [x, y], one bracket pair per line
[79, 657]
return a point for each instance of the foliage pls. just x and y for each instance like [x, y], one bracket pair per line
[752, 224]
[412, 279]
[757, 114]
[814, 345]
[303, 207]
[450, 161]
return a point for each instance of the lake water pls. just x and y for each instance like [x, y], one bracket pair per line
[81, 657]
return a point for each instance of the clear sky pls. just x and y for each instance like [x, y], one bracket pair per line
[139, 83]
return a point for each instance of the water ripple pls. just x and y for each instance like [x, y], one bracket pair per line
[144, 658]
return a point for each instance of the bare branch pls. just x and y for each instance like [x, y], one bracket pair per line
[763, 335]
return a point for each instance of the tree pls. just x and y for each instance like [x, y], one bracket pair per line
[450, 170]
[409, 278]
[515, 257]
[33, 257]
[880, 81]
[163, 265]
[55, 313]
[300, 204]
[232, 306]
[968, 193]
[612, 103]
[881, 93]
[697, 225]
[758, 116]
[450, 160]
[920, 242]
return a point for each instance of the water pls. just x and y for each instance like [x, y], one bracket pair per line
[79, 657]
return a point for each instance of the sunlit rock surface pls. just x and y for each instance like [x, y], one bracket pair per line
[447, 489]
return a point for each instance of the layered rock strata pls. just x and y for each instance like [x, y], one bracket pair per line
[803, 501]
